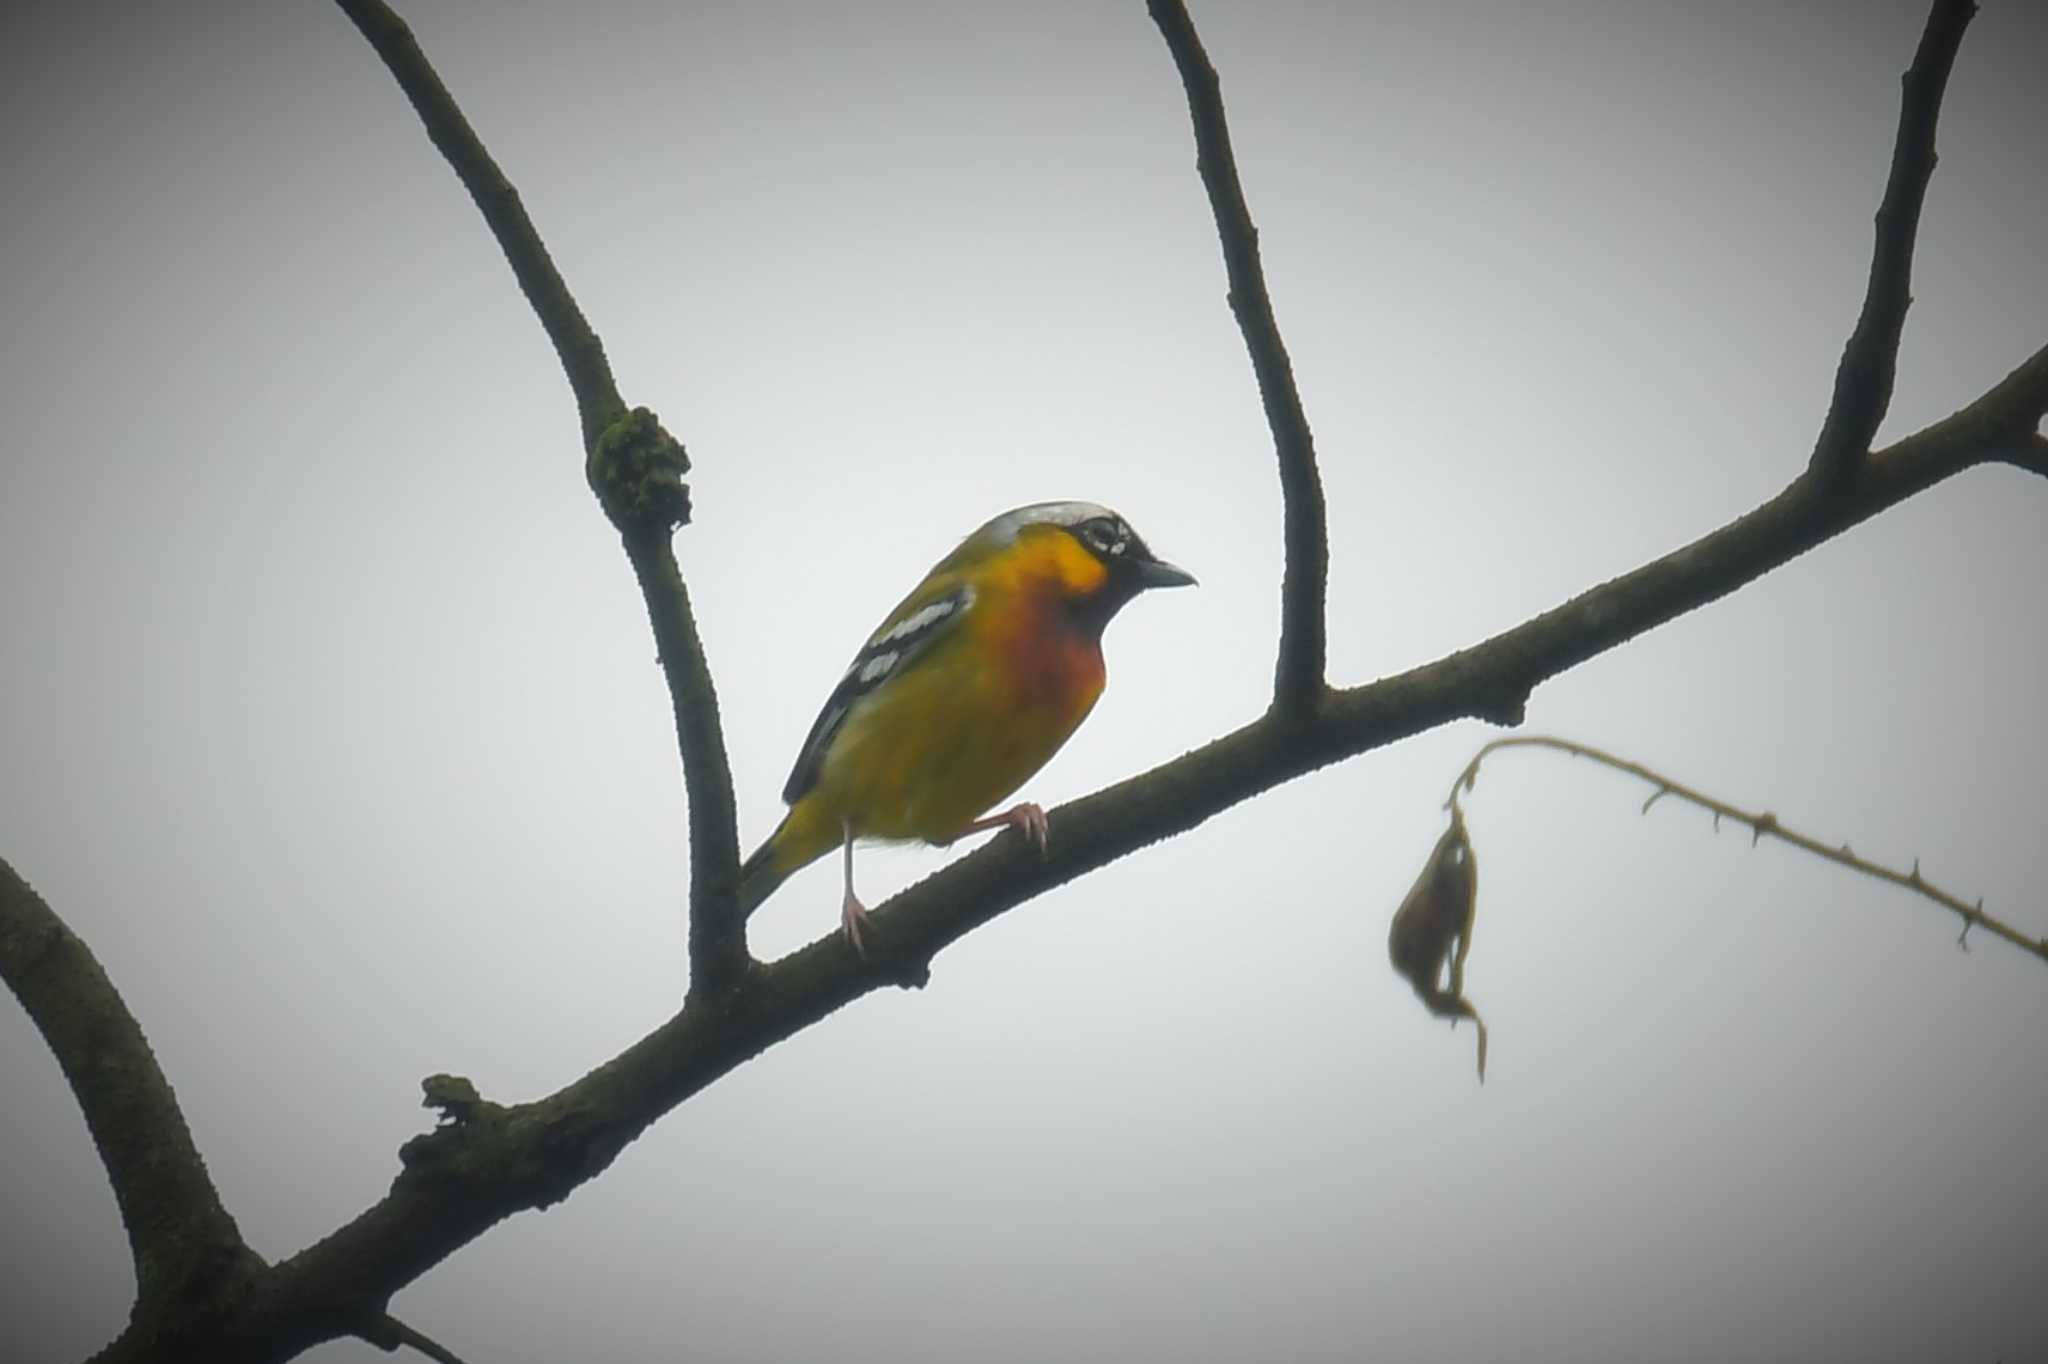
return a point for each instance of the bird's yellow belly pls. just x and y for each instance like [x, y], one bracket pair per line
[944, 744]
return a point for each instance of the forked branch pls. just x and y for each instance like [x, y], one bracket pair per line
[187, 1251]
[635, 468]
[1863, 382]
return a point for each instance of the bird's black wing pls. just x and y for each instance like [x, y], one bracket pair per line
[909, 632]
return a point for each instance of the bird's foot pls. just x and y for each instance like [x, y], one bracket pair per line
[853, 921]
[1026, 818]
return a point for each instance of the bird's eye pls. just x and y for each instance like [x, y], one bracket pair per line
[1103, 537]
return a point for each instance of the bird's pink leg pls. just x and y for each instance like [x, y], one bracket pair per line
[853, 915]
[1027, 818]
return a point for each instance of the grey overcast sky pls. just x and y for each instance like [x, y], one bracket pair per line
[329, 715]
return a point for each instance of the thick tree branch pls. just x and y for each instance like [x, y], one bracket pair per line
[2031, 454]
[179, 1234]
[492, 1162]
[1298, 674]
[1807, 513]
[194, 1274]
[635, 468]
[1863, 382]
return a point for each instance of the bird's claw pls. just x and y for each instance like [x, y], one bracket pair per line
[853, 921]
[1026, 818]
[1031, 822]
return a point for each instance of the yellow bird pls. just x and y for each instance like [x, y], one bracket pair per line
[968, 687]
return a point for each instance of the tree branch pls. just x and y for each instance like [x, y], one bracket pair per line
[491, 1162]
[635, 468]
[1805, 514]
[1863, 382]
[180, 1236]
[582, 354]
[1298, 672]
[2031, 454]
[194, 1273]
[718, 943]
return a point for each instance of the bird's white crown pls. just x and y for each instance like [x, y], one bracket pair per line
[1005, 527]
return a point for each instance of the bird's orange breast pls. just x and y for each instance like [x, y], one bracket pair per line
[974, 720]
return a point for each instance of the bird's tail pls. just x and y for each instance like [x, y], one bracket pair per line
[802, 838]
[759, 875]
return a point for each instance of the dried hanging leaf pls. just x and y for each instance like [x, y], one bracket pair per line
[1432, 930]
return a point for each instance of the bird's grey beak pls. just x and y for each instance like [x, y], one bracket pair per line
[1159, 573]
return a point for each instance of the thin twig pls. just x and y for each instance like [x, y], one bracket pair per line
[1762, 824]
[718, 951]
[388, 1334]
[1298, 673]
[582, 354]
[718, 943]
[1863, 382]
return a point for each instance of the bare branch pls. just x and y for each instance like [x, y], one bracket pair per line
[1804, 515]
[1863, 382]
[466, 1176]
[635, 468]
[1298, 673]
[494, 1161]
[718, 944]
[200, 1290]
[1762, 823]
[179, 1234]
[582, 354]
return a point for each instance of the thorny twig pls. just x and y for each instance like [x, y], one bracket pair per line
[1762, 823]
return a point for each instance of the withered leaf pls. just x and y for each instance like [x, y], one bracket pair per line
[1431, 934]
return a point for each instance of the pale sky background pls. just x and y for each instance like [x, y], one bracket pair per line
[330, 718]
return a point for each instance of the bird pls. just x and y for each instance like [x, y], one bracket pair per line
[961, 694]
